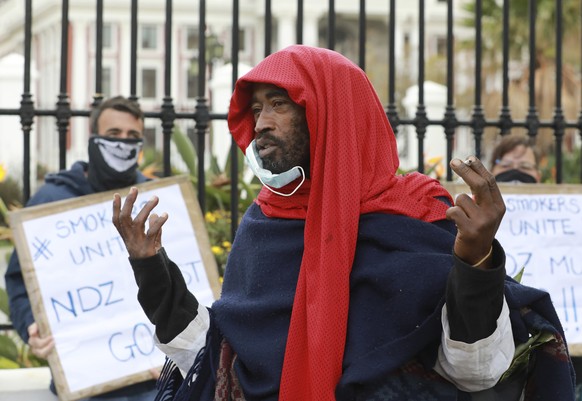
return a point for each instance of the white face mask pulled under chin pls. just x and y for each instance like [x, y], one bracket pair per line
[269, 179]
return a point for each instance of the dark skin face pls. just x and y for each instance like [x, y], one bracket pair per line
[281, 132]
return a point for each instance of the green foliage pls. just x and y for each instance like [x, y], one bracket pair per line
[519, 25]
[186, 150]
[519, 275]
[10, 196]
[13, 352]
[8, 350]
[41, 171]
[218, 226]
[523, 352]
[4, 302]
[5, 231]
[16, 354]
[218, 195]
[571, 166]
[218, 183]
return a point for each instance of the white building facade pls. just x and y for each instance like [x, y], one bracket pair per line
[46, 54]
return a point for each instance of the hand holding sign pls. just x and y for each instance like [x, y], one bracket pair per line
[40, 346]
[139, 243]
[477, 218]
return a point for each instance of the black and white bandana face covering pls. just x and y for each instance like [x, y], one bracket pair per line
[112, 162]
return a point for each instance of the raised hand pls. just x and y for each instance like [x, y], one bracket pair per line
[478, 217]
[139, 243]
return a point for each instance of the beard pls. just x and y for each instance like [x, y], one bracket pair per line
[295, 151]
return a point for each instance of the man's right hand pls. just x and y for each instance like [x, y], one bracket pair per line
[139, 243]
[41, 347]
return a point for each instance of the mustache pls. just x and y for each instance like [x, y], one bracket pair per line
[271, 138]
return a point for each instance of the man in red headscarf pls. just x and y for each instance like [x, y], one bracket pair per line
[346, 281]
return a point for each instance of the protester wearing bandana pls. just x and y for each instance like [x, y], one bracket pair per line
[114, 148]
[346, 281]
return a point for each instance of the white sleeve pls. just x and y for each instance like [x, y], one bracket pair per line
[184, 348]
[480, 365]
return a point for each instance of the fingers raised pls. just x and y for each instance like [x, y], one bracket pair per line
[138, 242]
[477, 217]
[155, 224]
[145, 211]
[116, 210]
[126, 209]
[480, 180]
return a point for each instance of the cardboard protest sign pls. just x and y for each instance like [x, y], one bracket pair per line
[82, 288]
[542, 233]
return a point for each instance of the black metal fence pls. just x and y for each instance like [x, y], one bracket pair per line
[202, 115]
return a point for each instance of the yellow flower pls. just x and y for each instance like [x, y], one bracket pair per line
[210, 217]
[434, 160]
[2, 172]
[217, 250]
[226, 245]
[439, 170]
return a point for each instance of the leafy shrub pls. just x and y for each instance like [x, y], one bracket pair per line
[10, 197]
[14, 353]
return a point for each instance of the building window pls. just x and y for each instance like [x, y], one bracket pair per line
[192, 38]
[107, 36]
[148, 83]
[106, 81]
[149, 37]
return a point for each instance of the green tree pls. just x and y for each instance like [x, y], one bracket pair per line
[545, 61]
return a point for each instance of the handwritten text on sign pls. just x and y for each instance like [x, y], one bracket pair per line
[89, 291]
[543, 233]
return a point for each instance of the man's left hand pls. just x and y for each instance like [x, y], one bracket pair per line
[478, 217]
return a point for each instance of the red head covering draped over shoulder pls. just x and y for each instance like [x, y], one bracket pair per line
[352, 171]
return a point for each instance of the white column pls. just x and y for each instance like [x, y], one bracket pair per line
[310, 31]
[79, 92]
[435, 96]
[286, 31]
[79, 78]
[124, 57]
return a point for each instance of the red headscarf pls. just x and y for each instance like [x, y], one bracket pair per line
[353, 162]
